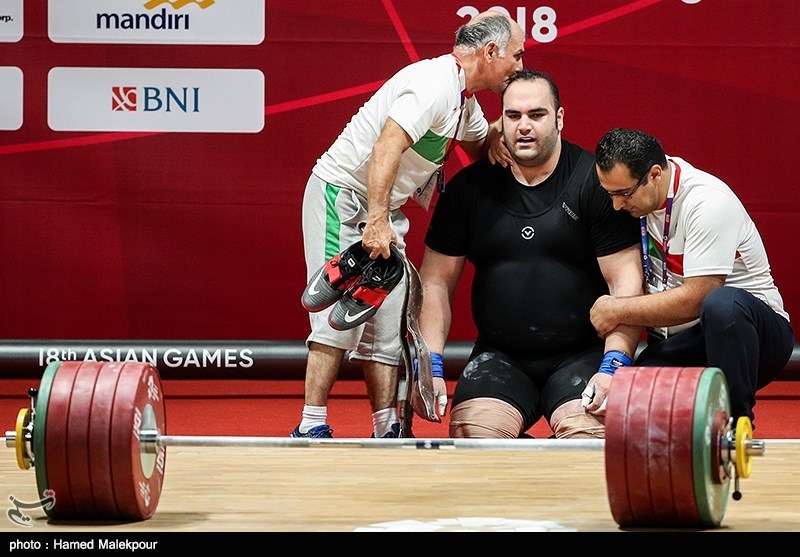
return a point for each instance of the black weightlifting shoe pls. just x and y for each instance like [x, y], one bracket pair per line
[331, 281]
[362, 300]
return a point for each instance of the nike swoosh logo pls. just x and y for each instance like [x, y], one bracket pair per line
[312, 288]
[350, 318]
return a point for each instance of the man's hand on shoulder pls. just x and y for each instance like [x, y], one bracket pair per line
[496, 148]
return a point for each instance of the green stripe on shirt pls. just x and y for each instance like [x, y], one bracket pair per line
[431, 146]
[332, 222]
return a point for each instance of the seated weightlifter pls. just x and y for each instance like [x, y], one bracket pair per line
[545, 243]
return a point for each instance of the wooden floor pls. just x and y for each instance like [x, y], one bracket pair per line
[334, 489]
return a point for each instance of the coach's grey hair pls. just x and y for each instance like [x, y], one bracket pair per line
[475, 35]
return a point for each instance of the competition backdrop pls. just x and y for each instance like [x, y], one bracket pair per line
[153, 153]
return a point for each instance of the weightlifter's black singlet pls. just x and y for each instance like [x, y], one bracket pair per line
[534, 250]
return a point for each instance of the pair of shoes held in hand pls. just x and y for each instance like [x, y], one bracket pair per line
[357, 285]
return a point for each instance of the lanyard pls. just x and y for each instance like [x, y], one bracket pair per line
[673, 187]
[452, 145]
[458, 126]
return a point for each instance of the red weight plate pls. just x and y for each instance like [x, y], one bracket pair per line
[637, 463]
[100, 440]
[138, 476]
[659, 436]
[56, 441]
[681, 443]
[616, 417]
[78, 440]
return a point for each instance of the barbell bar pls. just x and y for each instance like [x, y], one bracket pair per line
[95, 436]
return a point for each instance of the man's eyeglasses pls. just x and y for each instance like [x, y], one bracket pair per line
[640, 183]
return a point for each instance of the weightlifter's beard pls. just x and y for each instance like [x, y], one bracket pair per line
[532, 158]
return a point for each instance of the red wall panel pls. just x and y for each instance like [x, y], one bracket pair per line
[197, 235]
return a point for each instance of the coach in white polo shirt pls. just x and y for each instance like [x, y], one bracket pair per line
[392, 149]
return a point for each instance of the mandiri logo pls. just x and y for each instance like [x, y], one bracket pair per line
[178, 4]
[157, 21]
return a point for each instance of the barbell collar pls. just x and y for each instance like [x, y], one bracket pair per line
[755, 447]
[11, 438]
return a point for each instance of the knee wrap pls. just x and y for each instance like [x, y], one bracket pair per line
[580, 425]
[485, 418]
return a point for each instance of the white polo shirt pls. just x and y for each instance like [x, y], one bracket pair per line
[710, 233]
[425, 99]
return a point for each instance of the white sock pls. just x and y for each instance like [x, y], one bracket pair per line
[312, 417]
[382, 421]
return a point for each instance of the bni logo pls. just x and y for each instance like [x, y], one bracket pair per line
[156, 99]
[123, 99]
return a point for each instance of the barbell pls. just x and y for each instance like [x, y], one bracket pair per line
[95, 436]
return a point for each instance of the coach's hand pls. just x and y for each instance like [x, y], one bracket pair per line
[498, 152]
[377, 236]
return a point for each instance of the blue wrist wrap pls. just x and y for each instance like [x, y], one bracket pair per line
[437, 366]
[614, 359]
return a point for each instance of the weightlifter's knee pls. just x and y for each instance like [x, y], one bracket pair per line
[571, 421]
[485, 418]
